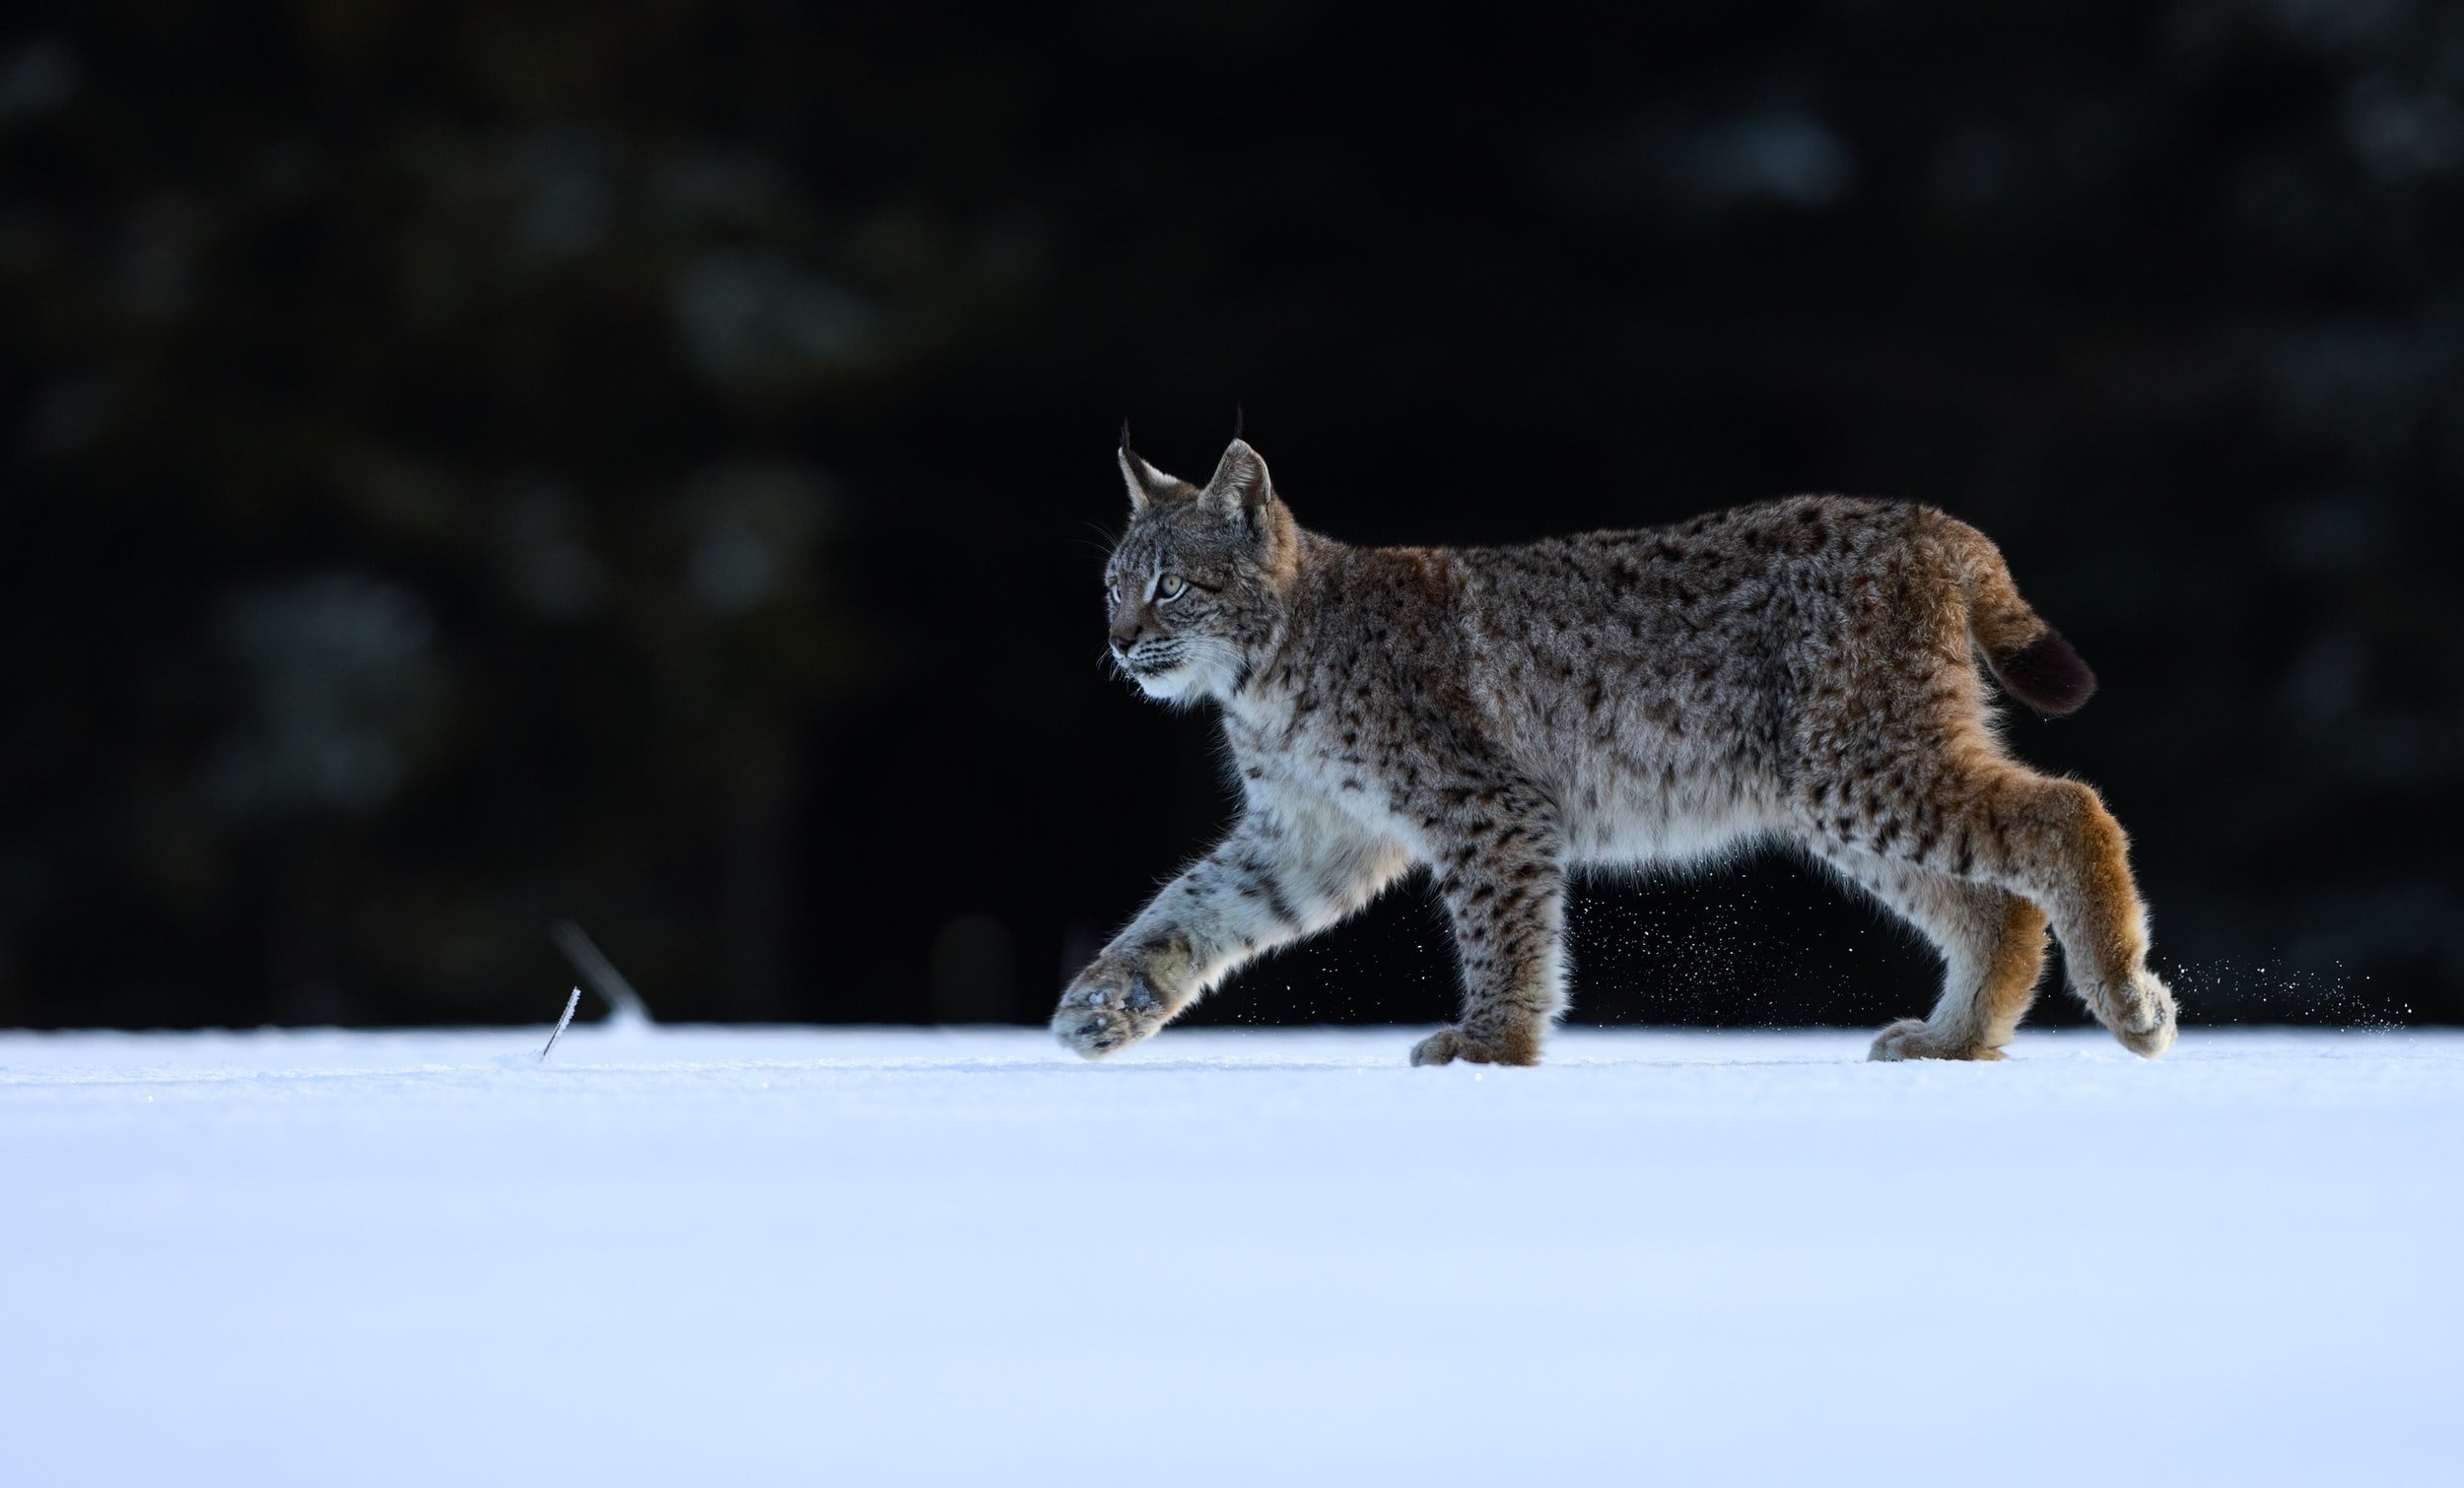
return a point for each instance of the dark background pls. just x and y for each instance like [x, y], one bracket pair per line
[474, 464]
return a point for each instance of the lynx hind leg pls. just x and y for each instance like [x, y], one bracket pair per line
[2048, 841]
[2068, 853]
[1992, 944]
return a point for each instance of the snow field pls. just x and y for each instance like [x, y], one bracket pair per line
[1239, 1257]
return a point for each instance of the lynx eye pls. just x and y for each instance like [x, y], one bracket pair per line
[1170, 588]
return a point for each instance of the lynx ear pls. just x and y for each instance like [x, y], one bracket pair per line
[1147, 485]
[1240, 487]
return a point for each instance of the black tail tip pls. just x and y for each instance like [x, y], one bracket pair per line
[2047, 675]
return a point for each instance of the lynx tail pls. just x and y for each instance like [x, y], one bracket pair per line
[2030, 658]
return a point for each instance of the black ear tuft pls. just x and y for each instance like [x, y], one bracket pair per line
[1238, 418]
[1147, 485]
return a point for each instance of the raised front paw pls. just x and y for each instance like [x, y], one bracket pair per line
[1448, 1045]
[1111, 1006]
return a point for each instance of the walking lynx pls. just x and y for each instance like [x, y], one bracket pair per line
[1803, 671]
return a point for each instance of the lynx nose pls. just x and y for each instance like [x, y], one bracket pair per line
[1125, 636]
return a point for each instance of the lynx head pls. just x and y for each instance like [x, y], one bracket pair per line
[1197, 585]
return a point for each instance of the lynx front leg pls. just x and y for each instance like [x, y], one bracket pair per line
[1280, 876]
[1508, 904]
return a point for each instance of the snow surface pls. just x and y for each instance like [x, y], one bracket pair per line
[696, 1256]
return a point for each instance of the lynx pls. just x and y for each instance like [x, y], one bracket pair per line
[1798, 672]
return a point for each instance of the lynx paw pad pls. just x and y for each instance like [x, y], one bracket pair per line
[1448, 1045]
[1097, 1019]
[1913, 1038]
[2143, 1016]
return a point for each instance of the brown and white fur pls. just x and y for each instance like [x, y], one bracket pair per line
[1802, 671]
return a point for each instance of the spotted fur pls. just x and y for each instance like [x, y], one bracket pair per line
[1802, 671]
